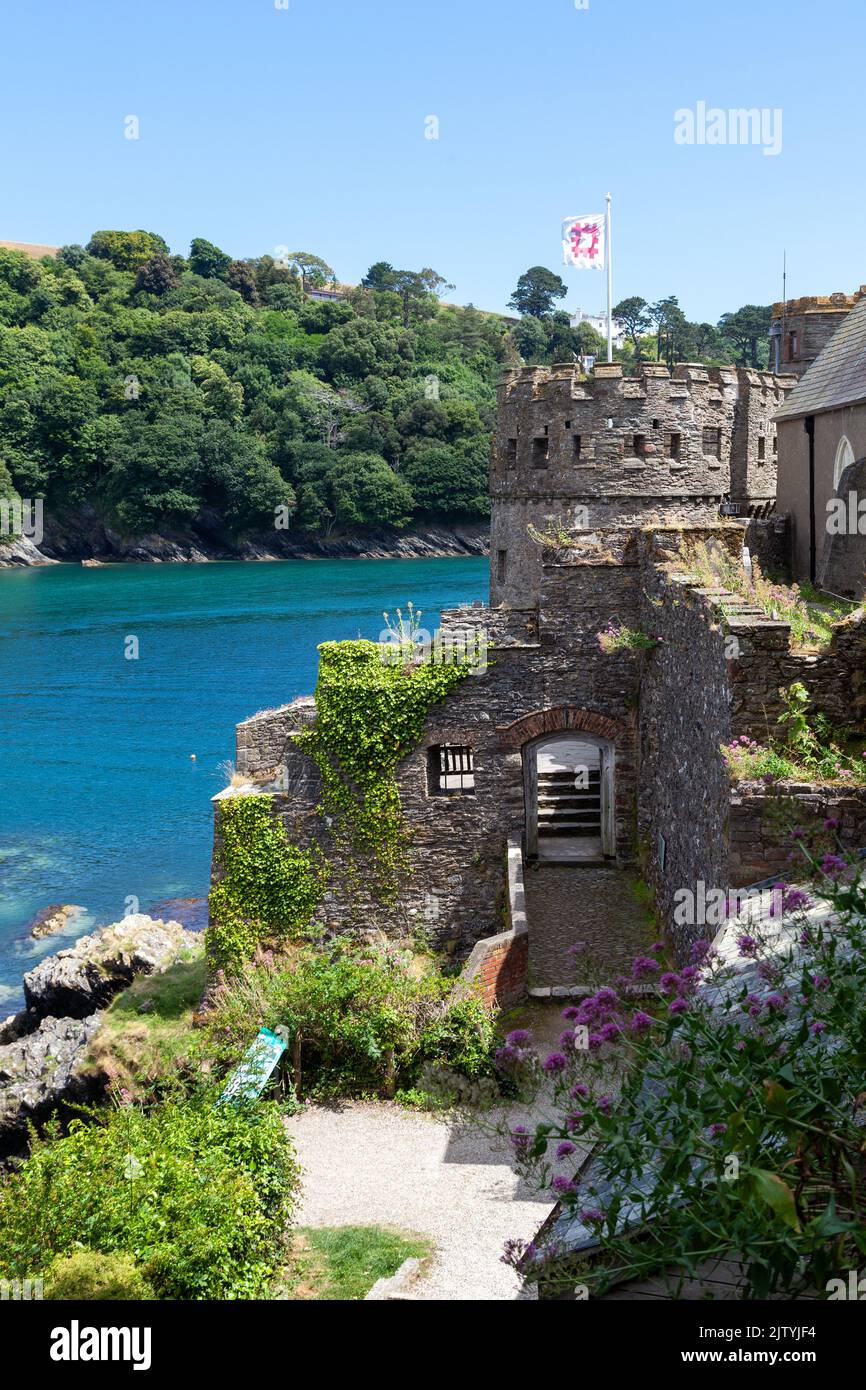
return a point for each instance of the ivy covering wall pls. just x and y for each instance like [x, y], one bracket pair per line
[370, 713]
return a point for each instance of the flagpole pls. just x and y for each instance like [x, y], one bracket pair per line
[609, 284]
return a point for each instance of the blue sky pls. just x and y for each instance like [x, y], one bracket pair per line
[305, 127]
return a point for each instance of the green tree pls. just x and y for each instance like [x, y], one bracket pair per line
[380, 276]
[126, 250]
[536, 291]
[633, 314]
[207, 260]
[446, 480]
[367, 492]
[531, 337]
[747, 331]
[312, 271]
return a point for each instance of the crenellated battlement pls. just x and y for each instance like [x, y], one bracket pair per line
[668, 445]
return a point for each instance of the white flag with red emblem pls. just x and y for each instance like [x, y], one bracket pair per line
[583, 242]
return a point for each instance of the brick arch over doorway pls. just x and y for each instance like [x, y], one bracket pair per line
[562, 718]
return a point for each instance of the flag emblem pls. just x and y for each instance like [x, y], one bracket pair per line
[583, 241]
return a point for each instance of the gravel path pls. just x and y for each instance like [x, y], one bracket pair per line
[375, 1163]
[379, 1164]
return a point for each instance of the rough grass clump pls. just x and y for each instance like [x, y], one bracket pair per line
[362, 1020]
[343, 1263]
[145, 1036]
[199, 1196]
[813, 616]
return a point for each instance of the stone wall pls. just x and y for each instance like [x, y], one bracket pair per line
[685, 715]
[761, 822]
[806, 325]
[768, 539]
[498, 967]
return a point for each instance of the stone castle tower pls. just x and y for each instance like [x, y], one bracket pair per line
[576, 453]
[800, 329]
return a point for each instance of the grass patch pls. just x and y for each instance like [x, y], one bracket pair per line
[813, 615]
[342, 1263]
[147, 1031]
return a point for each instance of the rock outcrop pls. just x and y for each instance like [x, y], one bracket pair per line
[76, 982]
[43, 1048]
[79, 533]
[53, 919]
[41, 1072]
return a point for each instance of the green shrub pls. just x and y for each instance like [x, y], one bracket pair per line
[462, 1040]
[366, 1017]
[88, 1276]
[198, 1196]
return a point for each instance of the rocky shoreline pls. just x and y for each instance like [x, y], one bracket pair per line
[81, 536]
[44, 1047]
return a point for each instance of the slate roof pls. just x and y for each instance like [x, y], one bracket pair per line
[838, 376]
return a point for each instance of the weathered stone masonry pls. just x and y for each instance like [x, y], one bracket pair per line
[658, 455]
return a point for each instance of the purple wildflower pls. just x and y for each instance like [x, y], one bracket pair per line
[640, 1021]
[555, 1062]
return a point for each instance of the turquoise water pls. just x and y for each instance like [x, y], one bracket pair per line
[100, 801]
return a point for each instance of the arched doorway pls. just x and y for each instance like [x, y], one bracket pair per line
[844, 458]
[568, 793]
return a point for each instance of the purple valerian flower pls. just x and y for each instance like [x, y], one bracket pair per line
[643, 965]
[562, 1184]
[747, 945]
[579, 1090]
[606, 998]
[565, 1149]
[605, 1104]
[831, 823]
[574, 1118]
[699, 951]
[591, 1216]
[678, 1006]
[520, 1141]
[555, 1062]
[795, 900]
[669, 983]
[832, 865]
[718, 1129]
[774, 1001]
[640, 1022]
[818, 1026]
[518, 1037]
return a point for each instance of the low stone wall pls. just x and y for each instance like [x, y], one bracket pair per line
[500, 964]
[769, 540]
[762, 818]
[262, 741]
